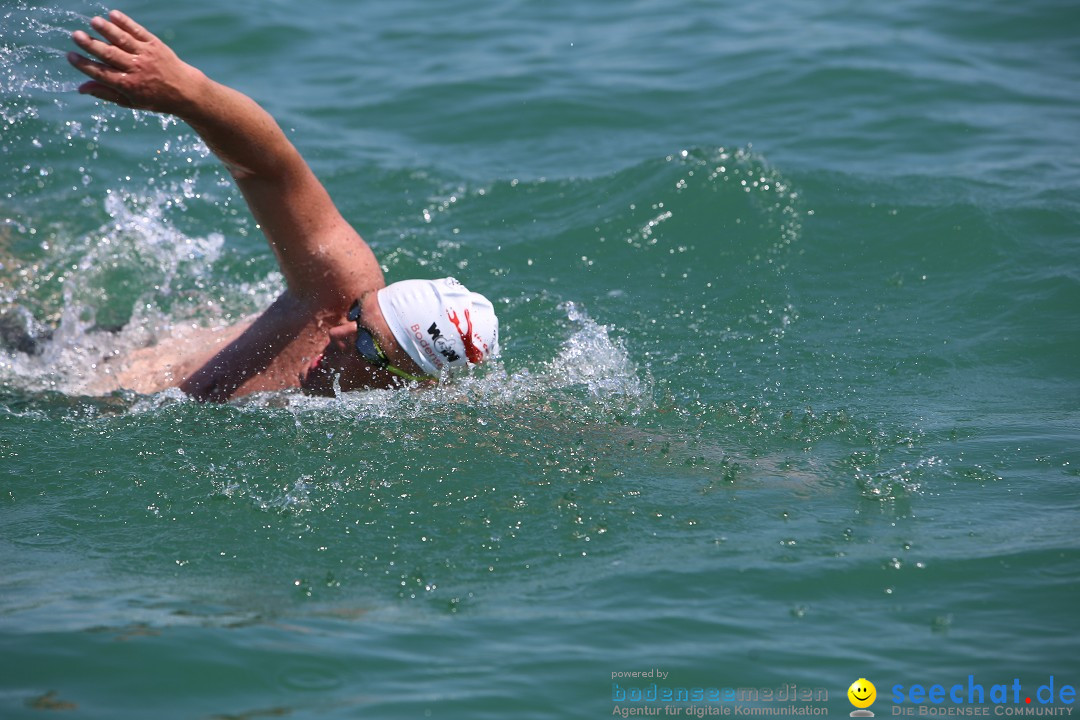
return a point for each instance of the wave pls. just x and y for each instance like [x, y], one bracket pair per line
[141, 274]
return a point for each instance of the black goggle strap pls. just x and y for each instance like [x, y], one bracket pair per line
[369, 348]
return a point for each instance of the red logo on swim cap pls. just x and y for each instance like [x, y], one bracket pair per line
[475, 354]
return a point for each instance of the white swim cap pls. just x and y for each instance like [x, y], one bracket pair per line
[439, 323]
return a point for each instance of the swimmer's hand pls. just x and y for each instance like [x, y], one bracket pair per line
[134, 69]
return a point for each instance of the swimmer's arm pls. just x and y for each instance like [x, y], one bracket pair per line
[324, 260]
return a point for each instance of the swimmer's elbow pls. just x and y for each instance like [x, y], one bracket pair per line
[205, 387]
[238, 172]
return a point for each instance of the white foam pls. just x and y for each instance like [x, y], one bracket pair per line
[138, 253]
[591, 376]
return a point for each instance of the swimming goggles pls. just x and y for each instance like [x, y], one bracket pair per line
[372, 352]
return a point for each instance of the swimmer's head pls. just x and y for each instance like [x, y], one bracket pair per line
[440, 324]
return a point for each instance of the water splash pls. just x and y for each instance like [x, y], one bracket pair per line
[33, 52]
[899, 482]
[124, 285]
[592, 377]
[597, 362]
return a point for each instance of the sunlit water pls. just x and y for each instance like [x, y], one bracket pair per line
[788, 395]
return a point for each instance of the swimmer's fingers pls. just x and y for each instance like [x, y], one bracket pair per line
[104, 92]
[110, 55]
[116, 32]
[133, 68]
[125, 40]
[105, 78]
[101, 72]
[134, 29]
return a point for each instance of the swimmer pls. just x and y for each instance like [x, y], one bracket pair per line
[338, 326]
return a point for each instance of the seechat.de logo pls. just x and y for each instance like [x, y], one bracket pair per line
[862, 694]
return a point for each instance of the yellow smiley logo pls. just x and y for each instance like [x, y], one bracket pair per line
[862, 693]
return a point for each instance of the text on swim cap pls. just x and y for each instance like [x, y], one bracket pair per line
[424, 345]
[442, 344]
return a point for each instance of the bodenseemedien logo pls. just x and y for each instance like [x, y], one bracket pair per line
[862, 694]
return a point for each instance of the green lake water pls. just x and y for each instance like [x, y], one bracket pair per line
[789, 394]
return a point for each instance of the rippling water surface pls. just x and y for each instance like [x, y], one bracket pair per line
[789, 394]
